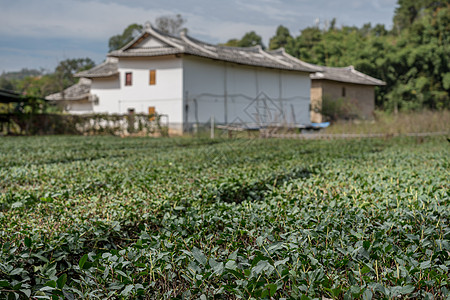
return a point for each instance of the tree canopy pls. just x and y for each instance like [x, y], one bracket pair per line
[250, 39]
[37, 83]
[170, 24]
[412, 58]
[128, 34]
[281, 39]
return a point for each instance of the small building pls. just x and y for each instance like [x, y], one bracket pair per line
[191, 82]
[355, 90]
[77, 98]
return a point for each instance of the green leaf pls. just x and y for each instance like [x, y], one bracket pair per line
[51, 283]
[218, 267]
[16, 271]
[265, 293]
[28, 242]
[127, 290]
[408, 289]
[62, 281]
[336, 292]
[367, 295]
[46, 288]
[262, 264]
[425, 265]
[27, 292]
[199, 256]
[44, 259]
[231, 264]
[365, 270]
[4, 283]
[281, 262]
[366, 245]
[83, 260]
[272, 289]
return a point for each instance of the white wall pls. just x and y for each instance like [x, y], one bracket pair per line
[166, 95]
[253, 94]
[76, 107]
[107, 90]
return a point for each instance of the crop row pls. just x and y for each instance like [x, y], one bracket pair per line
[187, 218]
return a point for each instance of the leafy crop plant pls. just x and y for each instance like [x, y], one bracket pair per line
[150, 218]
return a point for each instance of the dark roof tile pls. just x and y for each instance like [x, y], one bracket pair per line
[346, 74]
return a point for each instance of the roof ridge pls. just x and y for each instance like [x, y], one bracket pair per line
[375, 80]
[148, 25]
[149, 30]
[94, 68]
[268, 55]
[247, 49]
[299, 61]
[193, 39]
[161, 36]
[109, 61]
[187, 40]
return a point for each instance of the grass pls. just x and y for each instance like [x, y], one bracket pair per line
[402, 123]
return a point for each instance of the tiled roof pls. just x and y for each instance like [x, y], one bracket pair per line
[107, 69]
[253, 56]
[78, 91]
[346, 74]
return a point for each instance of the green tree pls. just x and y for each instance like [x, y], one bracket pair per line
[6, 84]
[281, 39]
[39, 86]
[118, 41]
[408, 11]
[250, 39]
[67, 68]
[231, 43]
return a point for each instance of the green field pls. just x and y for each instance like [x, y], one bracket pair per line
[107, 218]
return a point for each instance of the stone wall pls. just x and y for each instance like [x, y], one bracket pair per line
[361, 96]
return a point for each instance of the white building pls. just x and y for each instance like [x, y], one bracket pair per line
[191, 81]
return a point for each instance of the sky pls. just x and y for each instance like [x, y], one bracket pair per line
[37, 34]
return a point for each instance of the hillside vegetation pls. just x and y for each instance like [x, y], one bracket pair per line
[412, 58]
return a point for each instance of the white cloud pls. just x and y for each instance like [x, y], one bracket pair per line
[82, 23]
[56, 18]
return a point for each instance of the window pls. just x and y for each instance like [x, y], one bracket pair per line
[128, 78]
[343, 92]
[152, 80]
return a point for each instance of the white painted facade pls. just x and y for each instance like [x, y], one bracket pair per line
[197, 81]
[231, 93]
[80, 108]
[191, 90]
[114, 96]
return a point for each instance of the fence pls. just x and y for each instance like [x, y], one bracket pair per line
[88, 124]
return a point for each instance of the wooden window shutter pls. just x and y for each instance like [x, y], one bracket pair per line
[152, 77]
[151, 113]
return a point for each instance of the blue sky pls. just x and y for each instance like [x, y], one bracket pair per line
[39, 33]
